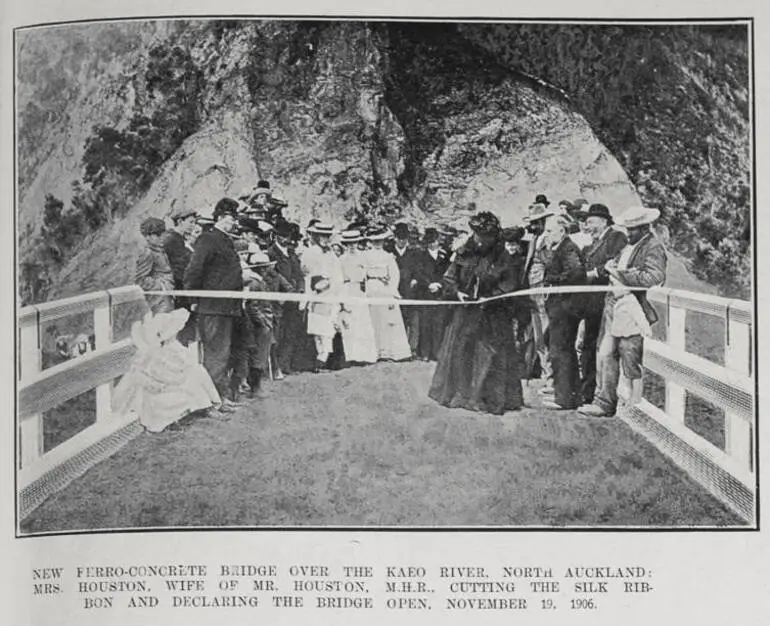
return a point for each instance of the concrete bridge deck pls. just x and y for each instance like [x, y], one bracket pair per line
[365, 446]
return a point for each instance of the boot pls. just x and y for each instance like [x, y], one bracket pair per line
[234, 397]
[255, 380]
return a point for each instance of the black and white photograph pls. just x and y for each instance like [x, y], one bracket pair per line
[385, 273]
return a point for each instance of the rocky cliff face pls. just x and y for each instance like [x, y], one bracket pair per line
[424, 122]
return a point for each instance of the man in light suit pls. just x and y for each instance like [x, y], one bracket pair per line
[642, 263]
[538, 256]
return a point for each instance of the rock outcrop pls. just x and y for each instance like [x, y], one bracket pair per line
[426, 122]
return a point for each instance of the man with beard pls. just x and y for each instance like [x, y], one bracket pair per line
[565, 267]
[289, 330]
[642, 263]
[607, 244]
[215, 266]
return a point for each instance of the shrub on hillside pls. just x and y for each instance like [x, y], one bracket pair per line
[672, 104]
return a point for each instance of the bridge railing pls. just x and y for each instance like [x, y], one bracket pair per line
[725, 468]
[43, 472]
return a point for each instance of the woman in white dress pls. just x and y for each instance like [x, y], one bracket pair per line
[382, 277]
[356, 321]
[165, 381]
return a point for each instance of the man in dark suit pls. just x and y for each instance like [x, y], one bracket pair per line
[435, 262]
[290, 326]
[642, 263]
[179, 253]
[215, 266]
[412, 280]
[565, 267]
[607, 244]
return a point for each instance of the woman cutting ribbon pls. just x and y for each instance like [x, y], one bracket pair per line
[478, 365]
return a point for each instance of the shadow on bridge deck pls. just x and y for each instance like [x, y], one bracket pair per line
[366, 446]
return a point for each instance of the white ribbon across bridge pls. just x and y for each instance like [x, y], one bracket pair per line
[338, 299]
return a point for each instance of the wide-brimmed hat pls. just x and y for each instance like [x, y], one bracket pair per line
[541, 199]
[597, 210]
[538, 211]
[350, 236]
[637, 216]
[321, 228]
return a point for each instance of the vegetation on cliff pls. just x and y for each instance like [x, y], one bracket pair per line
[357, 114]
[672, 103]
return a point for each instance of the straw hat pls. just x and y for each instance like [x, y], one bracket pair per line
[321, 228]
[350, 236]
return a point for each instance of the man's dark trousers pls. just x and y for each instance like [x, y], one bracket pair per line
[216, 333]
[593, 324]
[563, 328]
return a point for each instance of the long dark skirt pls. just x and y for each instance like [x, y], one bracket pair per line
[433, 321]
[478, 365]
[296, 349]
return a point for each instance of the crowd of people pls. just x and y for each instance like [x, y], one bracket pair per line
[576, 342]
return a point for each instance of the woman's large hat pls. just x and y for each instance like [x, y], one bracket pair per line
[377, 233]
[485, 223]
[637, 216]
[321, 228]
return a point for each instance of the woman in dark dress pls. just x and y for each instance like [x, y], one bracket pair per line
[478, 365]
